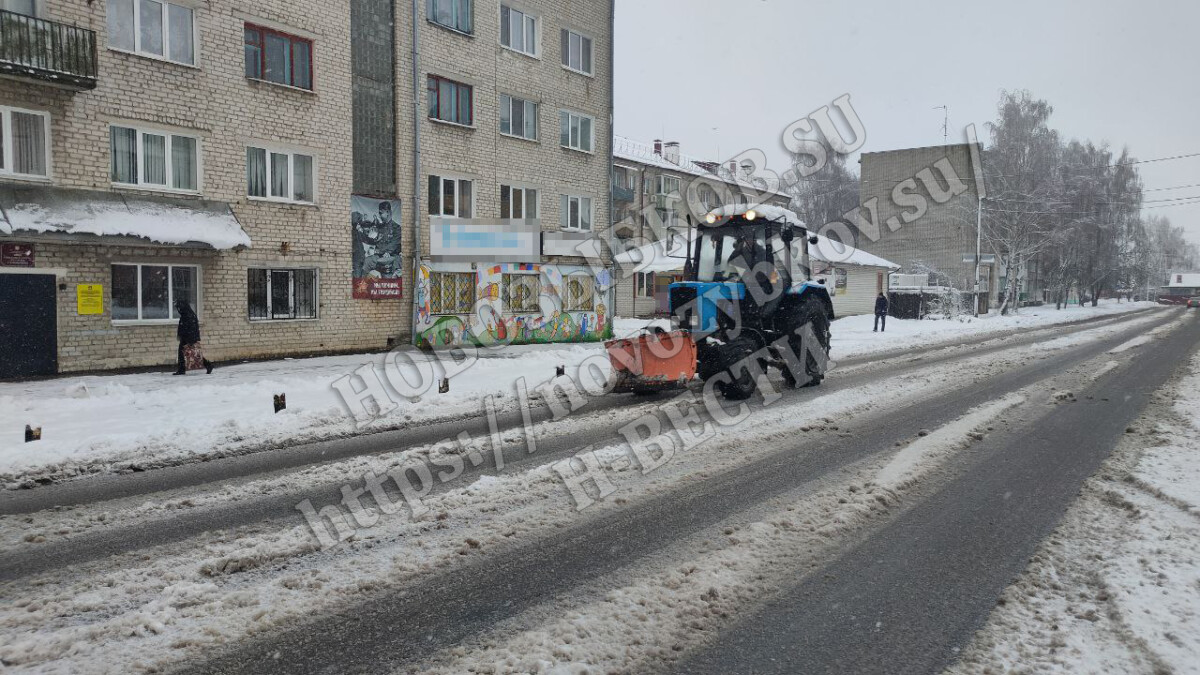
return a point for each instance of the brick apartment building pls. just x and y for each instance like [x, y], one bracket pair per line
[284, 168]
[941, 179]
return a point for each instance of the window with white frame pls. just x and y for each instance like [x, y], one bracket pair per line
[643, 285]
[579, 292]
[281, 294]
[153, 28]
[576, 51]
[667, 186]
[451, 197]
[280, 175]
[519, 203]
[149, 292]
[518, 117]
[453, 14]
[24, 142]
[520, 293]
[451, 292]
[576, 212]
[518, 30]
[575, 131]
[156, 159]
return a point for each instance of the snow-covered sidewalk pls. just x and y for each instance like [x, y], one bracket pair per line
[1116, 588]
[116, 422]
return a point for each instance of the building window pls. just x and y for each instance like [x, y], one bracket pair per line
[643, 285]
[24, 142]
[520, 293]
[282, 294]
[576, 213]
[154, 159]
[153, 28]
[149, 292]
[518, 203]
[575, 131]
[518, 117]
[518, 31]
[453, 14]
[450, 101]
[667, 186]
[624, 178]
[580, 291]
[453, 197]
[451, 292]
[278, 57]
[576, 51]
[26, 7]
[280, 175]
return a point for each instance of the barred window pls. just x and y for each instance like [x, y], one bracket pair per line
[579, 292]
[521, 293]
[451, 292]
[273, 294]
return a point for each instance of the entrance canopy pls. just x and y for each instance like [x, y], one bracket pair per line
[70, 213]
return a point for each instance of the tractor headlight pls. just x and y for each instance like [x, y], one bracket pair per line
[751, 214]
[710, 218]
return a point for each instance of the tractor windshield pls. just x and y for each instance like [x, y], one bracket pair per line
[728, 254]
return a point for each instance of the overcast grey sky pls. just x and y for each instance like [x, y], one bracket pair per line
[732, 74]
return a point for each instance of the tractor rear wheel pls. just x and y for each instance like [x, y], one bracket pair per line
[810, 313]
[740, 383]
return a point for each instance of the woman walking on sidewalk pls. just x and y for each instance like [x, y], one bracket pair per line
[189, 340]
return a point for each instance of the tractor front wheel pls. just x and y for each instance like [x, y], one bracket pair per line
[812, 314]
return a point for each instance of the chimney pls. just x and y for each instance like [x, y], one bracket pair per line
[658, 147]
[732, 169]
[671, 152]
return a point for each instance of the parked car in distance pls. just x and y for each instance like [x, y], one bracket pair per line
[1194, 301]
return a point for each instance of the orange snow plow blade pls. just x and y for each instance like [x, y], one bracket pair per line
[652, 361]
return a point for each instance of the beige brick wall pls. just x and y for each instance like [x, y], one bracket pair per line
[482, 153]
[216, 102]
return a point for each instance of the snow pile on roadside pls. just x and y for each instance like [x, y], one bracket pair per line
[853, 336]
[118, 422]
[1116, 588]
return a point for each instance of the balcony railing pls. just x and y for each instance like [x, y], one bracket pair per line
[47, 51]
[622, 194]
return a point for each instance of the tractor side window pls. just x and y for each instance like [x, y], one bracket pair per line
[780, 258]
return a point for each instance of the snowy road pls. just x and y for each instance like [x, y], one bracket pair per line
[598, 422]
[219, 573]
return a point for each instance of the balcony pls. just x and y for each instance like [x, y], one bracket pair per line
[622, 194]
[47, 51]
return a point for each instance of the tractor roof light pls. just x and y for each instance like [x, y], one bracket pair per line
[710, 218]
[751, 214]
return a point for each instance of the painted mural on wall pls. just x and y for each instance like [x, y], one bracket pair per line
[511, 303]
[375, 227]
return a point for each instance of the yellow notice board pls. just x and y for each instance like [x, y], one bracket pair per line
[90, 298]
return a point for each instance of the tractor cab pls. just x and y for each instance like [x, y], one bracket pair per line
[755, 256]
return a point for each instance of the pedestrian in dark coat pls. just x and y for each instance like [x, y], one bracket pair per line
[188, 334]
[881, 309]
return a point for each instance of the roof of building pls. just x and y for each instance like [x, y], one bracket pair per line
[68, 211]
[658, 257]
[635, 151]
[1183, 279]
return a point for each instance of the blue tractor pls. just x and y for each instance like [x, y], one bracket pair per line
[748, 298]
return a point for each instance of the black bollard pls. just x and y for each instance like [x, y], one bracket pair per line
[280, 402]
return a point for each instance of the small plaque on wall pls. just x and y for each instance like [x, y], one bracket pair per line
[16, 255]
[89, 298]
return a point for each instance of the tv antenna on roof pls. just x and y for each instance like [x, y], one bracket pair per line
[945, 123]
